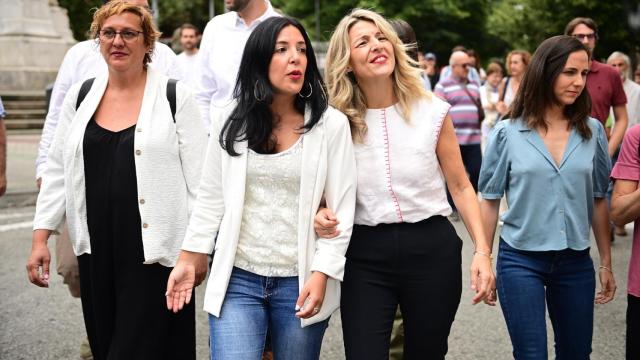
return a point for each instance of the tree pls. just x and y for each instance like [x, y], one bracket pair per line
[439, 24]
[526, 23]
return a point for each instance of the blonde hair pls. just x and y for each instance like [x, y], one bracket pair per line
[150, 32]
[344, 93]
[524, 55]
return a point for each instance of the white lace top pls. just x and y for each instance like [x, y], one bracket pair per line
[268, 243]
[399, 176]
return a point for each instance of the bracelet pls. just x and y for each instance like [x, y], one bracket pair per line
[606, 268]
[484, 254]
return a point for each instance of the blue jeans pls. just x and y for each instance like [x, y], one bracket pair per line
[255, 304]
[562, 280]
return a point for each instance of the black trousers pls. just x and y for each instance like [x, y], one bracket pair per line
[472, 160]
[633, 327]
[414, 265]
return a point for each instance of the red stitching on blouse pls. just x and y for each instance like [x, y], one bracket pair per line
[387, 160]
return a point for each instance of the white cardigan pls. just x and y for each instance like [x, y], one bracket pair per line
[328, 167]
[168, 160]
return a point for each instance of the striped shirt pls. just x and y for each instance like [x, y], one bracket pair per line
[464, 111]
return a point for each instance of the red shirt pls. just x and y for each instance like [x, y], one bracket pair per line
[628, 168]
[605, 88]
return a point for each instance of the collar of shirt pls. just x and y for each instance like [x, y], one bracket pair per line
[536, 141]
[595, 66]
[239, 22]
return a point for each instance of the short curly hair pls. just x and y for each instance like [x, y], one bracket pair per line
[150, 32]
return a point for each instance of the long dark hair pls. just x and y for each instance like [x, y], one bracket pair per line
[252, 120]
[536, 94]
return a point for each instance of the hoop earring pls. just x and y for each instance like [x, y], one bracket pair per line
[255, 92]
[308, 95]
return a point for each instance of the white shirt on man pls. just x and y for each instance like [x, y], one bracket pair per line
[189, 68]
[81, 62]
[221, 50]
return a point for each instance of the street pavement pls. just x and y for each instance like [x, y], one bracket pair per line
[38, 323]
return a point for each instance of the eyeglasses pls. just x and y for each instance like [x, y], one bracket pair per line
[466, 66]
[582, 36]
[126, 35]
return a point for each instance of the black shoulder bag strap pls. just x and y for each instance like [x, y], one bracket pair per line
[171, 96]
[477, 103]
[84, 90]
[504, 91]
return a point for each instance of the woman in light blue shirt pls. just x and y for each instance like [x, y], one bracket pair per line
[551, 161]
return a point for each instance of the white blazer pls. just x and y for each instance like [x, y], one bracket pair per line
[168, 160]
[328, 167]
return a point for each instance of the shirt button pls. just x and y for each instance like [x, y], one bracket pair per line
[138, 152]
[562, 232]
[139, 129]
[561, 210]
[142, 201]
[145, 225]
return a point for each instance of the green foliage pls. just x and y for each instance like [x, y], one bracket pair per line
[172, 14]
[525, 23]
[492, 27]
[80, 15]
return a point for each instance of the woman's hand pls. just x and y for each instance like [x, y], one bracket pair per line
[40, 258]
[483, 281]
[326, 224]
[607, 286]
[501, 107]
[312, 295]
[187, 274]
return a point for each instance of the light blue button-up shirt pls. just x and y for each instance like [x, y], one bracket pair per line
[550, 206]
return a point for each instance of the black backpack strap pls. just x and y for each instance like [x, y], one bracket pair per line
[84, 90]
[171, 96]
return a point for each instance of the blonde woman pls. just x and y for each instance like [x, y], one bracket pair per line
[403, 250]
[517, 62]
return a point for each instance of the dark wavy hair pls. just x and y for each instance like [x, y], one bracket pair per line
[252, 120]
[535, 94]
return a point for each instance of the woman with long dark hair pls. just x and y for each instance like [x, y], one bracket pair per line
[551, 160]
[273, 153]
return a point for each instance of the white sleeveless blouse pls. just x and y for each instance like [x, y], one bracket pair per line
[399, 176]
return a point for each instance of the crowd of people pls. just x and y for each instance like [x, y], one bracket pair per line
[302, 192]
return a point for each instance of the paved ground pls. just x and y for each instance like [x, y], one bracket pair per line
[40, 323]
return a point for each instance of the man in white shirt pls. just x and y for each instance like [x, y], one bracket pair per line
[221, 49]
[84, 61]
[188, 58]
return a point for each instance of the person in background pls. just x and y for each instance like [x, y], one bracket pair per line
[466, 114]
[625, 207]
[490, 94]
[408, 37]
[188, 58]
[431, 68]
[403, 251]
[550, 159]
[517, 62]
[472, 74]
[622, 63]
[477, 64]
[221, 49]
[123, 172]
[603, 84]
[3, 151]
[636, 75]
[81, 62]
[274, 153]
